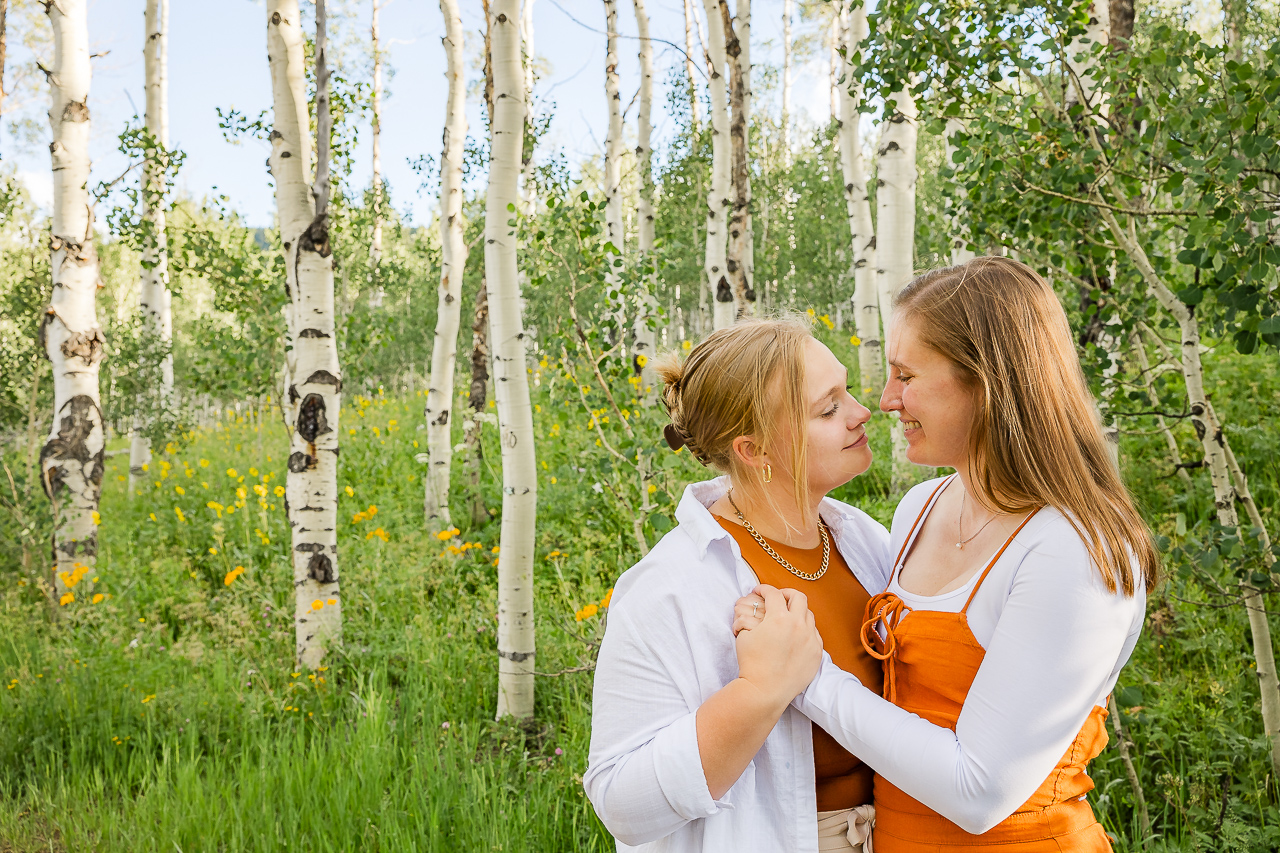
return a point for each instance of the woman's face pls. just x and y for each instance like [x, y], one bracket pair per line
[838, 447]
[934, 404]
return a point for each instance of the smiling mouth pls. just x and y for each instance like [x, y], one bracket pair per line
[906, 424]
[862, 440]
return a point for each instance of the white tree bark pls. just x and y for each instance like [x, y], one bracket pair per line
[866, 303]
[960, 236]
[643, 337]
[375, 249]
[689, 17]
[741, 258]
[787, 59]
[313, 395]
[154, 299]
[71, 460]
[896, 229]
[1080, 64]
[716, 259]
[613, 147]
[511, 385]
[453, 257]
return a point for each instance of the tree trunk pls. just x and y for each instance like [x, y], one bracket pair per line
[4, 8]
[511, 385]
[1217, 460]
[896, 227]
[453, 258]
[1175, 455]
[1234, 13]
[472, 427]
[740, 261]
[154, 299]
[71, 461]
[960, 236]
[528, 200]
[313, 396]
[866, 304]
[718, 201]
[787, 59]
[689, 15]
[378, 293]
[643, 338]
[613, 146]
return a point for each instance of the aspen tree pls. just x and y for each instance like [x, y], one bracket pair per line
[895, 229]
[643, 335]
[154, 298]
[453, 258]
[960, 236]
[689, 18]
[313, 396]
[787, 60]
[4, 10]
[866, 304]
[375, 246]
[716, 259]
[739, 260]
[613, 146]
[511, 384]
[71, 461]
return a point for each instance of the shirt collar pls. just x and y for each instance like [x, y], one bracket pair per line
[693, 514]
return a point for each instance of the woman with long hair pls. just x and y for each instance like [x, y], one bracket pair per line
[1017, 589]
[691, 749]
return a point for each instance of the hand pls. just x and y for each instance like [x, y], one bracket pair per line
[748, 613]
[781, 654]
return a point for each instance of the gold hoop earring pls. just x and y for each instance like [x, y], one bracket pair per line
[768, 473]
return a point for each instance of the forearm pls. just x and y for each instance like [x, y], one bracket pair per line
[732, 726]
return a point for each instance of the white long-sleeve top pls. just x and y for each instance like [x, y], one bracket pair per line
[1055, 640]
[667, 648]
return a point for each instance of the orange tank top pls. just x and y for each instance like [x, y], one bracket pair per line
[836, 599]
[930, 660]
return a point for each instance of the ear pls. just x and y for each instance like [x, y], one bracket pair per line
[746, 451]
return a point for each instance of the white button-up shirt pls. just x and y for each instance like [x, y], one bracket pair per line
[667, 648]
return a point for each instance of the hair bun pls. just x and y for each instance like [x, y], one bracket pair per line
[674, 439]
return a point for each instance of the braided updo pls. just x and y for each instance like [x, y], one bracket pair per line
[747, 379]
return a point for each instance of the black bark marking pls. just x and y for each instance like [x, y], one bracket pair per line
[316, 237]
[323, 377]
[293, 394]
[723, 292]
[320, 568]
[299, 462]
[86, 346]
[275, 18]
[313, 333]
[518, 657]
[312, 422]
[79, 419]
[76, 111]
[314, 547]
[442, 420]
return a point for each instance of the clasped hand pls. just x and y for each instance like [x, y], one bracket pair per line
[779, 647]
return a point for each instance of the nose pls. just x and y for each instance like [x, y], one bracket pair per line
[858, 415]
[891, 398]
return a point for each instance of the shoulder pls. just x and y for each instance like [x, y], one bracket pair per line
[674, 579]
[913, 502]
[1052, 552]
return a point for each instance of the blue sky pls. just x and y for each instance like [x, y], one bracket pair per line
[218, 59]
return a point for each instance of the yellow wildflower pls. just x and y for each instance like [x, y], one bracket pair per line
[66, 599]
[180, 490]
[97, 518]
[380, 533]
[685, 345]
[317, 604]
[97, 599]
[278, 491]
[204, 463]
[178, 512]
[351, 493]
[231, 472]
[641, 360]
[232, 575]
[855, 340]
[608, 596]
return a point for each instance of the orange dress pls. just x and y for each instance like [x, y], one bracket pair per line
[842, 780]
[930, 661]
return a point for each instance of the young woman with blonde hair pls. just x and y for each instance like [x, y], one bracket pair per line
[1018, 586]
[691, 750]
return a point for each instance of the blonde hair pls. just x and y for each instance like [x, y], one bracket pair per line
[1036, 439]
[747, 379]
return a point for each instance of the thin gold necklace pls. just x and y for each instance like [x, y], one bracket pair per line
[960, 524]
[760, 540]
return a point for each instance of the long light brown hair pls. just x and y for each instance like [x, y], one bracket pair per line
[747, 379]
[1036, 439]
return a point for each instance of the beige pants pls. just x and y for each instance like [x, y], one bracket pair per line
[846, 830]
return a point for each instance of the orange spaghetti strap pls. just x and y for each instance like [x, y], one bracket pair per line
[906, 543]
[999, 553]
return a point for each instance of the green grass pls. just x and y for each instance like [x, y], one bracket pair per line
[168, 716]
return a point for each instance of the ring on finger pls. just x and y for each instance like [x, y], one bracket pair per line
[755, 607]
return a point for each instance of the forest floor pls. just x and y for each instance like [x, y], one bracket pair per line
[167, 714]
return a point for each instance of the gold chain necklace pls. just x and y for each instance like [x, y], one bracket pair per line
[760, 540]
